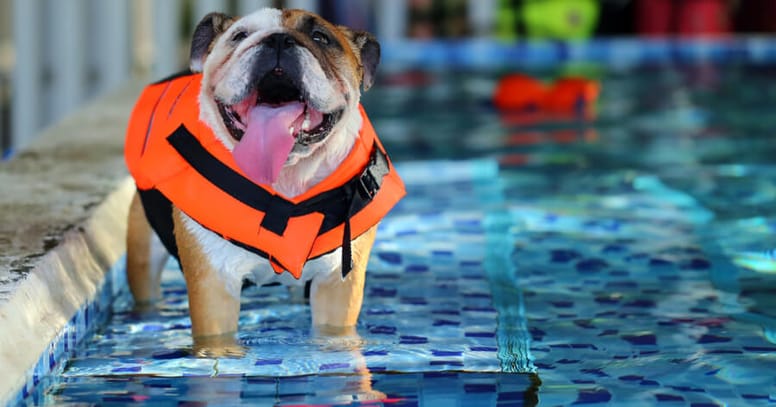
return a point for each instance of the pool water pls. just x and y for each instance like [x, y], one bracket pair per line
[628, 259]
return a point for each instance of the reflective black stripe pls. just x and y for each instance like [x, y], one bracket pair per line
[218, 173]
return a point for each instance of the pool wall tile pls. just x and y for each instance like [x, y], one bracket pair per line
[75, 271]
[81, 326]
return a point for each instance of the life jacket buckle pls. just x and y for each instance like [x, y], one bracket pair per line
[367, 185]
[372, 178]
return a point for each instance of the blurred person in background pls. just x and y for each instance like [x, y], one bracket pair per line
[704, 17]
[684, 17]
[438, 18]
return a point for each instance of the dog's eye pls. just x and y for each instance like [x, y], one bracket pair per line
[239, 36]
[320, 37]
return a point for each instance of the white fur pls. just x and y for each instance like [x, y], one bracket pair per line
[234, 264]
[224, 73]
[302, 172]
[324, 96]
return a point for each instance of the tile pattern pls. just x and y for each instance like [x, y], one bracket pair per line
[81, 326]
[427, 307]
[621, 303]
[611, 302]
[630, 263]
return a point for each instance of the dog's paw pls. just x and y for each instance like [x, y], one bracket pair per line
[328, 331]
[214, 347]
[210, 352]
[145, 310]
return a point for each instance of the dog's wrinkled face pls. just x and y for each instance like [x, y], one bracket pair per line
[277, 84]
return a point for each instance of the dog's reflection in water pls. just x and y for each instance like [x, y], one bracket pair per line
[329, 385]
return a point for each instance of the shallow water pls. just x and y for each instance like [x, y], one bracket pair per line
[626, 259]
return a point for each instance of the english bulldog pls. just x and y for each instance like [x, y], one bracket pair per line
[278, 92]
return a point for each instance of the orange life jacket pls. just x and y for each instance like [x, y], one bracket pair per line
[175, 158]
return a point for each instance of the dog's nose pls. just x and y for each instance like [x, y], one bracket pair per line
[279, 41]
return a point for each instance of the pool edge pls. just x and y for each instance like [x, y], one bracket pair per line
[65, 280]
[62, 227]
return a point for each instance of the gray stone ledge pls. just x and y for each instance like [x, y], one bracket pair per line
[63, 208]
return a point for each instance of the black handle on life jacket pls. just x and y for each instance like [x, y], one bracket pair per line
[359, 192]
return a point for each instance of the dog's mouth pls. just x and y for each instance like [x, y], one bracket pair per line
[281, 95]
[269, 122]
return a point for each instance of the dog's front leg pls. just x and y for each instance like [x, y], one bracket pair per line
[213, 308]
[336, 302]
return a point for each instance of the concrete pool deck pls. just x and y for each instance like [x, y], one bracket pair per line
[63, 206]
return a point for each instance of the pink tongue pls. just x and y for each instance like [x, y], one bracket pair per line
[267, 141]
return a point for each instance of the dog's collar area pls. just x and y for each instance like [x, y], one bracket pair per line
[337, 205]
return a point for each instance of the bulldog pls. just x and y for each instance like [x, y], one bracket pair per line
[259, 164]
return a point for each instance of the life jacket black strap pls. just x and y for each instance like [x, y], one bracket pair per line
[158, 211]
[360, 191]
[337, 205]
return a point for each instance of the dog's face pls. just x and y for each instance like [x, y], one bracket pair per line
[280, 86]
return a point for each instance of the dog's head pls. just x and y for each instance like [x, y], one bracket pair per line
[280, 87]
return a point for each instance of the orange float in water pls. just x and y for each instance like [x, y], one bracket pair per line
[519, 92]
[571, 95]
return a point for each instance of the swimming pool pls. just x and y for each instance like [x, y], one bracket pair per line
[626, 260]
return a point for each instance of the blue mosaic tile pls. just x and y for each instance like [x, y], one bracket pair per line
[396, 310]
[80, 327]
[611, 276]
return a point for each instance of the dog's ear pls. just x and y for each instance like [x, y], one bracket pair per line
[368, 48]
[210, 28]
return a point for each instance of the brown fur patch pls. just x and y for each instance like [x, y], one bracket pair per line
[345, 57]
[214, 311]
[143, 282]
